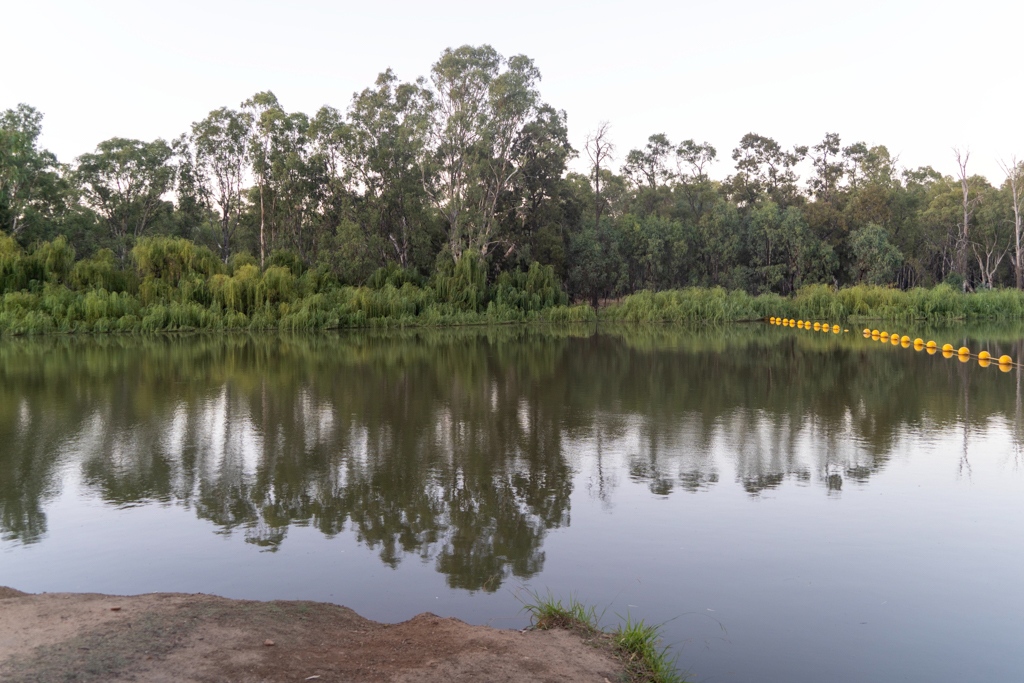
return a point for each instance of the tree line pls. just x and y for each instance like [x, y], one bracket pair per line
[469, 162]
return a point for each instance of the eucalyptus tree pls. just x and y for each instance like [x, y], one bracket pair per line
[992, 233]
[385, 139]
[876, 258]
[600, 150]
[535, 205]
[221, 143]
[649, 166]
[692, 162]
[649, 173]
[481, 101]
[969, 203]
[125, 182]
[765, 171]
[265, 117]
[296, 183]
[825, 213]
[1014, 185]
[28, 174]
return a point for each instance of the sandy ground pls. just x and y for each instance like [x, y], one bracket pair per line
[165, 637]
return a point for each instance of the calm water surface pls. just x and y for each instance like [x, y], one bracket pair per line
[797, 506]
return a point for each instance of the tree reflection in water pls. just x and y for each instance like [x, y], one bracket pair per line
[457, 446]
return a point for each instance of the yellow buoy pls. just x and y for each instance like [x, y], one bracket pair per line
[1005, 367]
[984, 362]
[947, 347]
[817, 326]
[931, 344]
[1005, 360]
[947, 353]
[904, 338]
[964, 357]
[884, 336]
[984, 355]
[800, 324]
[919, 341]
[895, 340]
[905, 343]
[931, 350]
[867, 331]
[874, 332]
[963, 351]
[835, 329]
[772, 320]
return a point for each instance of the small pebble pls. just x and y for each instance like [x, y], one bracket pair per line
[115, 609]
[268, 642]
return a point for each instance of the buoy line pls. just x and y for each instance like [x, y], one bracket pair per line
[963, 354]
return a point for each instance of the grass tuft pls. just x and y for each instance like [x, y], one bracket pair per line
[547, 612]
[636, 643]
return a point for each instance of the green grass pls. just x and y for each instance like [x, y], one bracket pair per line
[635, 643]
[818, 302]
[645, 661]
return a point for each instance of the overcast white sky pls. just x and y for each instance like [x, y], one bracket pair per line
[919, 77]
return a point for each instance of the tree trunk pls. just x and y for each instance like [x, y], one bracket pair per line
[263, 243]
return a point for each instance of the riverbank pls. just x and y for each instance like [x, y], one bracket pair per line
[181, 637]
[174, 285]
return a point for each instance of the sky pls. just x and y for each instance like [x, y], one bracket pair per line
[921, 78]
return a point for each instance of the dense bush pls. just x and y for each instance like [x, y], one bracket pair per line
[173, 284]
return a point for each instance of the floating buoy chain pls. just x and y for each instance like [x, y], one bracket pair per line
[806, 325]
[963, 353]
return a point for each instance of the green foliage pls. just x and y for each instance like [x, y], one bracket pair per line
[286, 258]
[644, 660]
[547, 612]
[170, 259]
[876, 259]
[462, 284]
[535, 290]
[100, 271]
[636, 642]
[394, 275]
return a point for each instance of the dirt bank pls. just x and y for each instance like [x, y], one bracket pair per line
[164, 637]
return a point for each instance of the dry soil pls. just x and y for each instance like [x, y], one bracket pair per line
[165, 637]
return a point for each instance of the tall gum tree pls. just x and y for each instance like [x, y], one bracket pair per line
[385, 137]
[125, 181]
[600, 150]
[969, 204]
[221, 153]
[265, 117]
[479, 109]
[25, 169]
[1014, 171]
